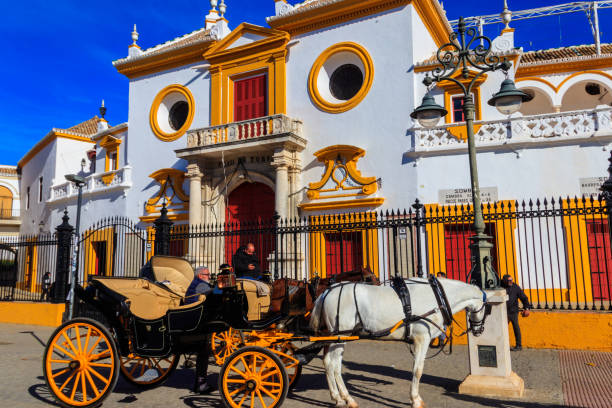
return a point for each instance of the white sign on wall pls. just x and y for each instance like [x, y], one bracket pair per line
[464, 195]
[590, 186]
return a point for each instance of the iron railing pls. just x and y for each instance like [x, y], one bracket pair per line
[556, 249]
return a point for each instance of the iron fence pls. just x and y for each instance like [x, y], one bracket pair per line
[27, 267]
[557, 249]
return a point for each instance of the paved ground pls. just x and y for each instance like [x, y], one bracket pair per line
[378, 375]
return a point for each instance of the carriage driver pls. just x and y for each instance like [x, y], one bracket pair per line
[201, 285]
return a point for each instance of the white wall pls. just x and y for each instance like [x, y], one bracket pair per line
[42, 164]
[379, 123]
[147, 153]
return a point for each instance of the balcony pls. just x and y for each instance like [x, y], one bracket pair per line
[99, 183]
[9, 217]
[515, 134]
[260, 134]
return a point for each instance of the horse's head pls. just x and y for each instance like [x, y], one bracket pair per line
[477, 314]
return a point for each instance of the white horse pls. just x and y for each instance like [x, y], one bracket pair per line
[368, 309]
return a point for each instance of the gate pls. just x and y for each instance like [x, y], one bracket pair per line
[112, 247]
[8, 272]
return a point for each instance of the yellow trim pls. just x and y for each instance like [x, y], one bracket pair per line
[334, 205]
[45, 141]
[168, 178]
[578, 259]
[558, 87]
[368, 77]
[32, 313]
[504, 231]
[110, 145]
[171, 216]
[573, 330]
[31, 255]
[164, 61]
[335, 14]
[351, 155]
[103, 235]
[557, 67]
[507, 30]
[168, 137]
[369, 240]
[229, 64]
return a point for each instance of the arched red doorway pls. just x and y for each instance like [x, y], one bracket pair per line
[248, 214]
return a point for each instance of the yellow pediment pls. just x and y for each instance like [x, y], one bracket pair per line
[259, 40]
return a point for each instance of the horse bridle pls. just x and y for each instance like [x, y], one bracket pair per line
[477, 327]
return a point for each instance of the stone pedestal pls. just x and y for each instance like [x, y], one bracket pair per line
[490, 364]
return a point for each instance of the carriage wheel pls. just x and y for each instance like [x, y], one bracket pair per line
[148, 372]
[81, 364]
[285, 352]
[224, 344]
[253, 377]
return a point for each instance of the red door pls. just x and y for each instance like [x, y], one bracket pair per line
[457, 248]
[600, 258]
[248, 214]
[250, 101]
[343, 252]
[99, 249]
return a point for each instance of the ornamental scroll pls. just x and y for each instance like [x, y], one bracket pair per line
[170, 190]
[341, 177]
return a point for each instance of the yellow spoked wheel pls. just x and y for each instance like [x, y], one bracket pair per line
[148, 372]
[253, 377]
[224, 344]
[285, 352]
[81, 364]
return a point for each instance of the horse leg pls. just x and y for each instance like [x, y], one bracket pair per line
[421, 343]
[329, 363]
[338, 351]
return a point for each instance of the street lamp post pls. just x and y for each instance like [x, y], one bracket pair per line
[80, 182]
[465, 53]
[463, 61]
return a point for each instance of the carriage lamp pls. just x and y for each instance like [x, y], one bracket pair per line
[509, 99]
[428, 114]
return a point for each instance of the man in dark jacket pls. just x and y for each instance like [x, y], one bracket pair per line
[515, 293]
[246, 263]
[201, 286]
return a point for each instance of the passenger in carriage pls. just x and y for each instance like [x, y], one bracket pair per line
[246, 263]
[201, 286]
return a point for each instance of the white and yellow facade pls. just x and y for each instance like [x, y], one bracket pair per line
[189, 146]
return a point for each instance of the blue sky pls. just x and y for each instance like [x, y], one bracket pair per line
[57, 54]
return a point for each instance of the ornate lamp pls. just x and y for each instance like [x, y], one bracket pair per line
[428, 114]
[509, 99]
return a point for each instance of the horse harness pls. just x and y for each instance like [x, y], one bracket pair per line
[399, 285]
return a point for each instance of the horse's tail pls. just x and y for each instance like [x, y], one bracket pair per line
[317, 311]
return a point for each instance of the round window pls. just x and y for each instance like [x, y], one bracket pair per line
[345, 82]
[340, 77]
[172, 112]
[178, 115]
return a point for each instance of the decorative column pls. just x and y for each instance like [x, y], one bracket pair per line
[62, 264]
[195, 194]
[281, 161]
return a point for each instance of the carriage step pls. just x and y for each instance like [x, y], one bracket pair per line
[306, 354]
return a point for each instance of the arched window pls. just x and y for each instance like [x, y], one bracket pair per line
[6, 203]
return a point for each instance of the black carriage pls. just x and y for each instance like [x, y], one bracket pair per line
[146, 327]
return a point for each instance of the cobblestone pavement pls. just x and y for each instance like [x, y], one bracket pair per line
[378, 374]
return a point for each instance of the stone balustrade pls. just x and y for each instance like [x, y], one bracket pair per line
[518, 132]
[95, 183]
[244, 130]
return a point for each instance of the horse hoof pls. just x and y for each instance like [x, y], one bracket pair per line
[341, 405]
[353, 404]
[419, 404]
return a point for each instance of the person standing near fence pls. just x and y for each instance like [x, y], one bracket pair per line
[515, 293]
[46, 286]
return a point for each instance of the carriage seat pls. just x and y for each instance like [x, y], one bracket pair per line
[258, 297]
[145, 299]
[175, 273]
